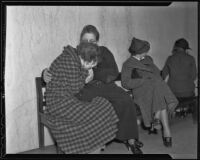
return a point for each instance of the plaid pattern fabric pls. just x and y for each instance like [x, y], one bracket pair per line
[78, 127]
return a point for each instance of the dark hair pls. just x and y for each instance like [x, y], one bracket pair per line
[88, 51]
[90, 29]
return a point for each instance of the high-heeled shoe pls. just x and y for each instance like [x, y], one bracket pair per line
[157, 124]
[138, 143]
[151, 129]
[134, 148]
[167, 141]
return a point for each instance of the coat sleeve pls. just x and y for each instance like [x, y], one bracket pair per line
[68, 72]
[75, 76]
[193, 69]
[165, 70]
[126, 77]
[42, 75]
[110, 68]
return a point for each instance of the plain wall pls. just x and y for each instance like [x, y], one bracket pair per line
[36, 35]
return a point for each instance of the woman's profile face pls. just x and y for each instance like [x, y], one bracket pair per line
[143, 54]
[89, 37]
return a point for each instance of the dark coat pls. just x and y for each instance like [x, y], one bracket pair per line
[78, 127]
[105, 87]
[181, 68]
[150, 92]
[106, 67]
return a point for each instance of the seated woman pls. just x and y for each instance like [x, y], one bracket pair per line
[78, 127]
[182, 71]
[100, 83]
[181, 68]
[150, 92]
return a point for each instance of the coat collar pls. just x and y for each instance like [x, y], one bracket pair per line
[140, 64]
[138, 58]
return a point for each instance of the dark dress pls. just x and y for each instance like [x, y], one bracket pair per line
[181, 68]
[79, 127]
[121, 101]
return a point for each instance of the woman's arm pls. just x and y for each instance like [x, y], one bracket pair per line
[47, 76]
[193, 69]
[165, 70]
[127, 81]
[67, 72]
[108, 71]
[74, 75]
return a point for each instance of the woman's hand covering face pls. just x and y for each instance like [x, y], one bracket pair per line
[90, 76]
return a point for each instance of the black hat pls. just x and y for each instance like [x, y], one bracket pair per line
[138, 46]
[182, 43]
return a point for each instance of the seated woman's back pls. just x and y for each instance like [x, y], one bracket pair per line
[181, 68]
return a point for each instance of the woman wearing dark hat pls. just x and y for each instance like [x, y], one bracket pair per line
[101, 84]
[181, 68]
[150, 92]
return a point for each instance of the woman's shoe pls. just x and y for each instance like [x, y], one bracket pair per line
[134, 148]
[157, 124]
[167, 141]
[138, 143]
[151, 129]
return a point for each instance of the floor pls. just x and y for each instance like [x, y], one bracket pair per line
[184, 133]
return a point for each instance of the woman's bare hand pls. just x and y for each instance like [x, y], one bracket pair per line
[89, 65]
[90, 76]
[47, 75]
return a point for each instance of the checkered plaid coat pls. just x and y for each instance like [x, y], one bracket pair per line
[78, 127]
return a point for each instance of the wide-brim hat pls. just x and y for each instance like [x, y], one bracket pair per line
[138, 46]
[182, 43]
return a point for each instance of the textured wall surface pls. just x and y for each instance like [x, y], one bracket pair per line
[36, 35]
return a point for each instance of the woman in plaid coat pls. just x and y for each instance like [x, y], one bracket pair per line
[78, 127]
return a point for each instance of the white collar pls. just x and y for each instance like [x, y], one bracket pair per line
[139, 59]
